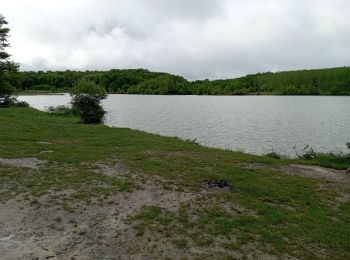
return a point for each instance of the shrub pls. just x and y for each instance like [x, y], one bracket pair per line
[62, 110]
[6, 100]
[45, 87]
[274, 155]
[12, 101]
[307, 154]
[21, 104]
[86, 98]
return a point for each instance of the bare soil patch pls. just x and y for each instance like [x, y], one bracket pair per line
[254, 166]
[102, 229]
[113, 169]
[32, 163]
[99, 230]
[47, 151]
[44, 142]
[95, 231]
[317, 172]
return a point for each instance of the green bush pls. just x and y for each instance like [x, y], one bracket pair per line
[12, 101]
[86, 99]
[45, 87]
[62, 110]
[274, 155]
[21, 104]
[307, 153]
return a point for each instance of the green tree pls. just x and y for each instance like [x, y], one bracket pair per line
[7, 67]
[86, 99]
[335, 81]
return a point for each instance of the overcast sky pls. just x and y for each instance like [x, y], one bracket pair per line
[194, 38]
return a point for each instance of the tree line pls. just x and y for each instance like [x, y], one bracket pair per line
[333, 81]
[132, 81]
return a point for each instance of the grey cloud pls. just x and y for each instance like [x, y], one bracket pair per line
[193, 38]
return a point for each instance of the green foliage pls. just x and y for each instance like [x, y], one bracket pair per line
[7, 67]
[20, 103]
[63, 110]
[333, 160]
[274, 155]
[337, 161]
[307, 153]
[86, 98]
[44, 87]
[9, 100]
[334, 81]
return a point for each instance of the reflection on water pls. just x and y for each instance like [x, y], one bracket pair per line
[255, 124]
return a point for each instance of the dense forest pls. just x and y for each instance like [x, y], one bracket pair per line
[334, 81]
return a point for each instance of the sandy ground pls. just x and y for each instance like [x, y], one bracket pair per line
[101, 231]
[97, 232]
[317, 172]
[32, 163]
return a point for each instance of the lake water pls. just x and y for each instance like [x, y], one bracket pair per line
[254, 124]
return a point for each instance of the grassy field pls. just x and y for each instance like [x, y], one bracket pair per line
[271, 212]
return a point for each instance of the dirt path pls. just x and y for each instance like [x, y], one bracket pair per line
[317, 172]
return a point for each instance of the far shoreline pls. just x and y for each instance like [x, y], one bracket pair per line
[35, 93]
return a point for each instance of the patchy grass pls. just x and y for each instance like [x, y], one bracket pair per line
[278, 213]
[335, 161]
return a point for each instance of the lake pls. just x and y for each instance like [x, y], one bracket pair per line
[253, 124]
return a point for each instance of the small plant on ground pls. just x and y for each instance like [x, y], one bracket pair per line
[86, 99]
[82, 232]
[274, 154]
[308, 153]
[180, 243]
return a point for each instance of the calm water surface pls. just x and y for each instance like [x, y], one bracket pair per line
[254, 124]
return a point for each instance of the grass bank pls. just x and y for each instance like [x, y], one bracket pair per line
[124, 192]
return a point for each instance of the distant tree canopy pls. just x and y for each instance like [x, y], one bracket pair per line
[7, 67]
[334, 81]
